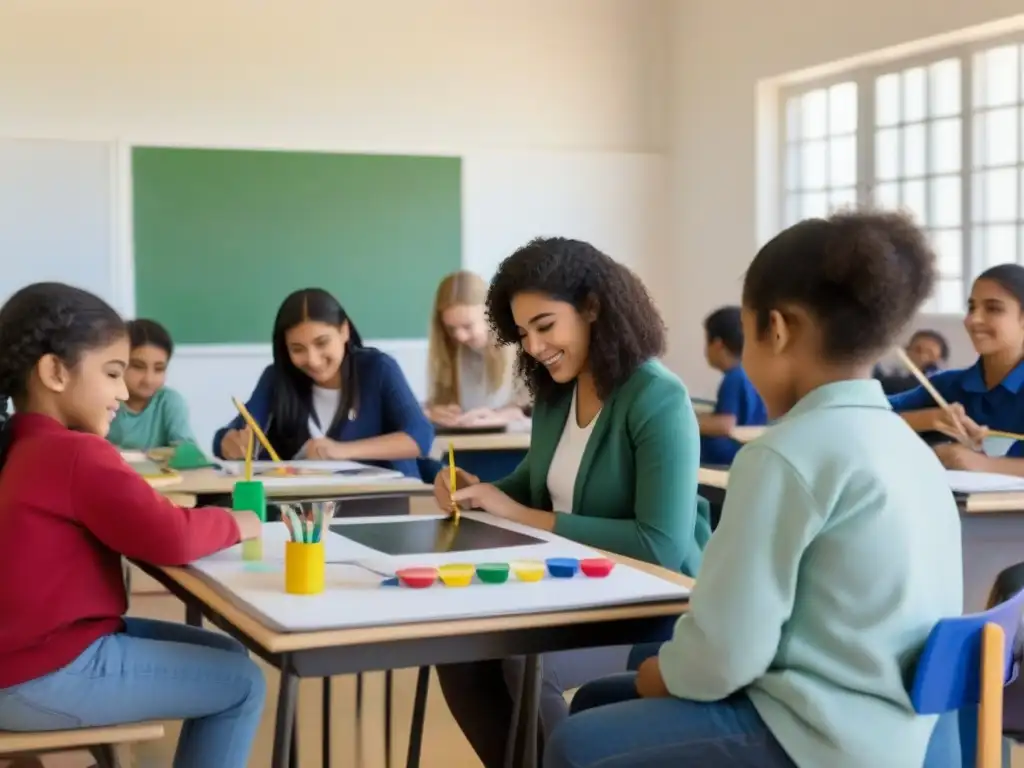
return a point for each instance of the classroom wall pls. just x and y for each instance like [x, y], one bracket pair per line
[721, 49]
[559, 107]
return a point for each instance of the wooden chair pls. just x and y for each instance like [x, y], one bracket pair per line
[101, 743]
[966, 662]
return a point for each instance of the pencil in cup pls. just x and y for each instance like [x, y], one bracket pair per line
[251, 423]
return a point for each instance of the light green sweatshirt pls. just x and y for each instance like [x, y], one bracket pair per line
[162, 423]
[838, 550]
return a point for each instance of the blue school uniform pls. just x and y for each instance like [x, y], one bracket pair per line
[386, 405]
[736, 397]
[999, 408]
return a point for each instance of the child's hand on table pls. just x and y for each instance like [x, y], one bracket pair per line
[956, 424]
[649, 683]
[249, 524]
[957, 456]
[235, 443]
[442, 486]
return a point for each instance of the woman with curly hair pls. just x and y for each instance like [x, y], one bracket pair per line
[613, 455]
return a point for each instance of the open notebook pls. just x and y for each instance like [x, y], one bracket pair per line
[983, 482]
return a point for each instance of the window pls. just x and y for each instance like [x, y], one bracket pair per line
[941, 136]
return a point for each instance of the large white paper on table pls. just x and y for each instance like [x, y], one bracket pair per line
[314, 473]
[355, 597]
[982, 482]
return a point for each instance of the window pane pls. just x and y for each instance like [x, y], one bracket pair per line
[887, 100]
[793, 166]
[843, 162]
[945, 202]
[843, 198]
[812, 165]
[815, 204]
[814, 117]
[948, 245]
[842, 104]
[887, 196]
[913, 94]
[913, 150]
[793, 118]
[996, 78]
[912, 199]
[949, 297]
[1000, 243]
[887, 153]
[997, 140]
[998, 196]
[945, 88]
[945, 146]
[793, 209]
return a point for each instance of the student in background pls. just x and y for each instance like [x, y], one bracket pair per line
[737, 403]
[155, 416]
[928, 350]
[838, 551]
[471, 377]
[326, 396]
[988, 394]
[613, 458]
[70, 508]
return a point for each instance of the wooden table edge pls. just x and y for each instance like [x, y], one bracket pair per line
[283, 642]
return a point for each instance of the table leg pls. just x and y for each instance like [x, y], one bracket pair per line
[285, 722]
[419, 712]
[193, 615]
[359, 697]
[512, 742]
[389, 689]
[521, 748]
[293, 758]
[327, 723]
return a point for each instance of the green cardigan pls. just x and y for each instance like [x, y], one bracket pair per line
[636, 489]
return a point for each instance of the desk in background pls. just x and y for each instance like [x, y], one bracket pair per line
[391, 641]
[488, 455]
[992, 526]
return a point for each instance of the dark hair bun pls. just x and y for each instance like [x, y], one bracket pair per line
[862, 275]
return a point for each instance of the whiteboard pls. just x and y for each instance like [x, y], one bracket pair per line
[56, 215]
[355, 597]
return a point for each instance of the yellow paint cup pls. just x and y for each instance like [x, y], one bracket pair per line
[304, 566]
[456, 574]
[528, 570]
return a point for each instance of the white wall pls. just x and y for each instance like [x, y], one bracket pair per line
[721, 49]
[559, 107]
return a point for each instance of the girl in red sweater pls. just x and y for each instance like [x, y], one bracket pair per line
[70, 508]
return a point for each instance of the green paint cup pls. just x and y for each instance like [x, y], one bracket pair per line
[492, 573]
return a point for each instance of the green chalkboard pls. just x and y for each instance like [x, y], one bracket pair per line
[222, 236]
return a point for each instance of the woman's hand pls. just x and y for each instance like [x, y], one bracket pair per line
[443, 489]
[445, 415]
[325, 449]
[235, 443]
[649, 683]
[955, 423]
[488, 498]
[957, 456]
[481, 417]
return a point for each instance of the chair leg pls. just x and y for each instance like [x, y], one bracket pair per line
[105, 756]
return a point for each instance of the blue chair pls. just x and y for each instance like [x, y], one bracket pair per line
[966, 662]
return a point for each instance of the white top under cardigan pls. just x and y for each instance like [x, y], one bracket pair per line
[565, 464]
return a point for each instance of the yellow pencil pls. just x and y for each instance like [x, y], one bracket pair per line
[255, 428]
[929, 388]
[451, 479]
[248, 457]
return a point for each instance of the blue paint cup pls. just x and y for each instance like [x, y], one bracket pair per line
[562, 567]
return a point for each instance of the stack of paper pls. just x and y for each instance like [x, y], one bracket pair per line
[983, 482]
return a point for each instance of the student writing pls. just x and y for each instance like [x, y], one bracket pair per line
[988, 394]
[70, 508]
[737, 403]
[839, 547]
[155, 416]
[928, 350]
[613, 458]
[326, 396]
[471, 376]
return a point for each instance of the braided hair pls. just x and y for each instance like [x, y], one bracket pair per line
[47, 319]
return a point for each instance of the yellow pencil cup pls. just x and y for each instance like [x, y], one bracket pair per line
[304, 566]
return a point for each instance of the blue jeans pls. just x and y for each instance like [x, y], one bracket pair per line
[611, 727]
[154, 670]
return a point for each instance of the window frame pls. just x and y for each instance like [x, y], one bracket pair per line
[864, 78]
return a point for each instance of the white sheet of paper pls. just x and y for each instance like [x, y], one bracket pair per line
[354, 597]
[365, 471]
[982, 482]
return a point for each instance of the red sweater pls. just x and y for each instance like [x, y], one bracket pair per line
[69, 508]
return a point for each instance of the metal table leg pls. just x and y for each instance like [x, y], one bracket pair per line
[326, 735]
[389, 689]
[419, 712]
[285, 722]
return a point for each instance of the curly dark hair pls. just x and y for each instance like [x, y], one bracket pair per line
[48, 319]
[861, 275]
[628, 328]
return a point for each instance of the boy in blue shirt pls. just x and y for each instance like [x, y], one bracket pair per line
[737, 403]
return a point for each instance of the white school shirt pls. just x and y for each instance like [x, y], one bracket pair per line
[565, 464]
[325, 405]
[474, 390]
